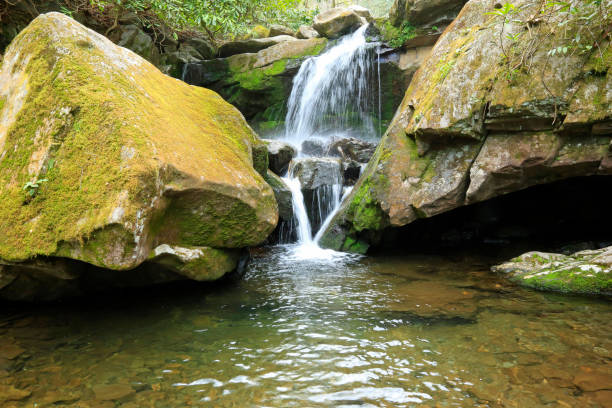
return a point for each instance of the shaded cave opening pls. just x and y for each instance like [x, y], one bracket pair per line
[564, 216]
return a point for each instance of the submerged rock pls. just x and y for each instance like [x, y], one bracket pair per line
[336, 22]
[467, 132]
[584, 272]
[98, 166]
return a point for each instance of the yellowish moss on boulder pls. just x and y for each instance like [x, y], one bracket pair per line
[120, 146]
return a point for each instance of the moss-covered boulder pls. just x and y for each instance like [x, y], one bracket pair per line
[103, 158]
[584, 272]
[483, 118]
[259, 84]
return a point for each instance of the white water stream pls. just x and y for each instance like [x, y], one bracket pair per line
[332, 96]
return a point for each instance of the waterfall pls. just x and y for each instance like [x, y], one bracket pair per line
[329, 218]
[304, 232]
[332, 92]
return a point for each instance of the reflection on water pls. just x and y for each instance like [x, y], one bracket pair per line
[399, 331]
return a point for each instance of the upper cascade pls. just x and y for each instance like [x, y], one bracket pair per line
[333, 93]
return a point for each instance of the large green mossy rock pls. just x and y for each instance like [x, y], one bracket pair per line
[471, 127]
[585, 272]
[120, 158]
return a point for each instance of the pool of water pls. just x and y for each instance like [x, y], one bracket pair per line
[392, 331]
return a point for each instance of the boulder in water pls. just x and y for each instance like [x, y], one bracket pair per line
[315, 172]
[353, 149]
[584, 272]
[252, 45]
[306, 32]
[314, 147]
[336, 22]
[279, 155]
[98, 166]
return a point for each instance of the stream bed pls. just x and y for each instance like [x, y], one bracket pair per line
[392, 331]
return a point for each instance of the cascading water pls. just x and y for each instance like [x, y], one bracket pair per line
[333, 93]
[333, 96]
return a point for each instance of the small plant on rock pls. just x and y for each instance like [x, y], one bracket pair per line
[31, 188]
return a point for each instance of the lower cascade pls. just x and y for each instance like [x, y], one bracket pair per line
[330, 122]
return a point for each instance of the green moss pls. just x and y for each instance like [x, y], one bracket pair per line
[2, 102]
[572, 280]
[365, 210]
[356, 246]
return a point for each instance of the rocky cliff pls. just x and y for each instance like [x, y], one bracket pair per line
[106, 161]
[506, 100]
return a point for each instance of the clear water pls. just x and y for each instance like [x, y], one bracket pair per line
[398, 331]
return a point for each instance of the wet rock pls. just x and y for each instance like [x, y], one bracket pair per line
[197, 263]
[112, 392]
[10, 393]
[585, 272]
[307, 32]
[10, 351]
[283, 196]
[315, 147]
[353, 149]
[251, 46]
[351, 170]
[336, 22]
[590, 379]
[279, 155]
[277, 29]
[154, 182]
[432, 299]
[315, 172]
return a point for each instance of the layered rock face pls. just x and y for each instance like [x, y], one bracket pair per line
[483, 118]
[107, 162]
